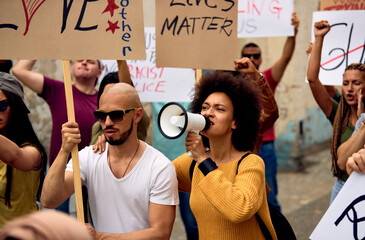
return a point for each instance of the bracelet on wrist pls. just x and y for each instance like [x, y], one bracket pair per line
[261, 76]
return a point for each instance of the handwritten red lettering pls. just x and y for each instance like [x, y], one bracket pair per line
[274, 8]
[30, 8]
[344, 5]
[130, 67]
[254, 7]
[150, 73]
[159, 85]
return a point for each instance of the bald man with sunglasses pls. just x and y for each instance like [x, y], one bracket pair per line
[132, 187]
[273, 76]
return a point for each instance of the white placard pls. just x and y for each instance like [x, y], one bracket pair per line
[155, 84]
[342, 220]
[265, 18]
[343, 44]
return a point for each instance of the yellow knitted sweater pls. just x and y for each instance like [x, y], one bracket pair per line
[224, 204]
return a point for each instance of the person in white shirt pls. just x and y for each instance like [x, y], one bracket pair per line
[132, 187]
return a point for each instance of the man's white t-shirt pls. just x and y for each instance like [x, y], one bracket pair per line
[121, 205]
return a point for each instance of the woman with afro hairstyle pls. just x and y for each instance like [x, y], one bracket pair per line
[226, 196]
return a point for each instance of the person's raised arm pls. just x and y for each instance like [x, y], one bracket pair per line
[23, 72]
[58, 184]
[332, 91]
[161, 219]
[280, 65]
[270, 109]
[320, 94]
[245, 66]
[25, 158]
[123, 72]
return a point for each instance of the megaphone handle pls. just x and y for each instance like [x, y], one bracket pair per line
[197, 132]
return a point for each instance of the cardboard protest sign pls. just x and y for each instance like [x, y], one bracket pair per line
[328, 5]
[343, 44]
[344, 219]
[40, 29]
[196, 34]
[157, 84]
[265, 18]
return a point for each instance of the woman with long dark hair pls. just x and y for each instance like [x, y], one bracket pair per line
[343, 114]
[22, 157]
[227, 183]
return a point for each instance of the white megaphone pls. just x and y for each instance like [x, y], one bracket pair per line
[173, 120]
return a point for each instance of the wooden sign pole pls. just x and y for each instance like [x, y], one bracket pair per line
[74, 152]
[198, 75]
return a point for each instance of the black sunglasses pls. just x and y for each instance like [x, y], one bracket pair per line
[3, 106]
[255, 56]
[115, 116]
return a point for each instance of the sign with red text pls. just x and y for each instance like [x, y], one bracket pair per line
[344, 219]
[329, 5]
[157, 84]
[196, 34]
[264, 18]
[343, 44]
[87, 29]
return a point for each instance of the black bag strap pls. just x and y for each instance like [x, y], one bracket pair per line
[193, 163]
[191, 169]
[239, 161]
[263, 228]
[261, 223]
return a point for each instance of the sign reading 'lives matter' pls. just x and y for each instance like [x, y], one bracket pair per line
[63, 29]
[196, 33]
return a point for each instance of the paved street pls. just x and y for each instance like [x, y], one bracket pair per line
[303, 194]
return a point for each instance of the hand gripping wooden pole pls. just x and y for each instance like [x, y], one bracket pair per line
[74, 152]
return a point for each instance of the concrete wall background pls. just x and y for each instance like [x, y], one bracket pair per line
[301, 126]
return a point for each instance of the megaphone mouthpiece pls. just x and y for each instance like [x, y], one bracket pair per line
[178, 121]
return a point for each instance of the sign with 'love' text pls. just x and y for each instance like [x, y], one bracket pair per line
[45, 29]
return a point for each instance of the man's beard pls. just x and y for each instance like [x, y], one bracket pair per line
[122, 138]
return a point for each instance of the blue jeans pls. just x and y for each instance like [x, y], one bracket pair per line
[268, 154]
[187, 216]
[336, 189]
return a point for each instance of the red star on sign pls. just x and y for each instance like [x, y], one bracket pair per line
[111, 7]
[112, 26]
